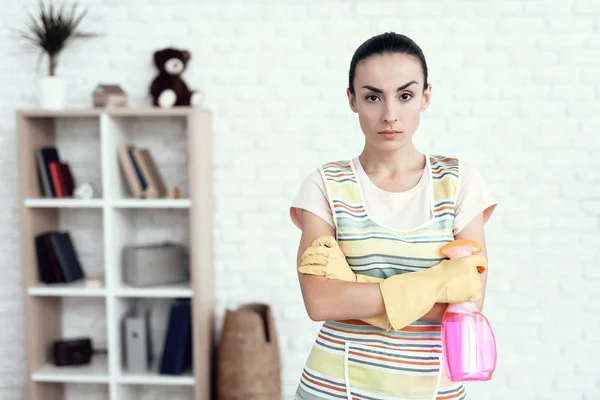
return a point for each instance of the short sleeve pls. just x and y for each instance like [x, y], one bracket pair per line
[312, 196]
[474, 197]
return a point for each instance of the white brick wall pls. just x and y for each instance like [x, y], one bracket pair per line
[515, 89]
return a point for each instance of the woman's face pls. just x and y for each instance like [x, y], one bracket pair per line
[389, 99]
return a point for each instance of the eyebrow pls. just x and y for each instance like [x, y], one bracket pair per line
[376, 90]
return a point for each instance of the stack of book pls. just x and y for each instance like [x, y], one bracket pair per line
[57, 258]
[140, 172]
[54, 175]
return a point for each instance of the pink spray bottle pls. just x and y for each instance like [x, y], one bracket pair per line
[468, 342]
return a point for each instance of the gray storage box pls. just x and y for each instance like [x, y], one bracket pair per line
[137, 340]
[154, 264]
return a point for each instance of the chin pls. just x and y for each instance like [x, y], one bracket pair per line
[393, 146]
[389, 145]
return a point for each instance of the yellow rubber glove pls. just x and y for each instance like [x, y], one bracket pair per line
[407, 297]
[325, 258]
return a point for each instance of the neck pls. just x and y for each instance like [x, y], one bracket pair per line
[399, 161]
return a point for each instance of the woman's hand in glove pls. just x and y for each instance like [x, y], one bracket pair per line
[324, 257]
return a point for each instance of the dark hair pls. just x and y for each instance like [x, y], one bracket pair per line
[386, 43]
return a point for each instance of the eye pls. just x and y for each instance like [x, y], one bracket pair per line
[371, 98]
[406, 96]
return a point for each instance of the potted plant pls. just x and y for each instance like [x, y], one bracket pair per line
[50, 33]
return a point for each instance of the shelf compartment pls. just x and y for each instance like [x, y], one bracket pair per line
[95, 372]
[158, 327]
[165, 134]
[142, 226]
[68, 136]
[85, 228]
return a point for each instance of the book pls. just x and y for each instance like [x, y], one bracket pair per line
[55, 177]
[155, 186]
[140, 172]
[177, 348]
[57, 258]
[129, 172]
[62, 179]
[44, 156]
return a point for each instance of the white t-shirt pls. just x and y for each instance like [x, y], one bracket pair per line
[399, 210]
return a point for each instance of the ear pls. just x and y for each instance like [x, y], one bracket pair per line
[351, 100]
[159, 58]
[186, 56]
[426, 98]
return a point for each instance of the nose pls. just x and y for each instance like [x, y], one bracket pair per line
[390, 115]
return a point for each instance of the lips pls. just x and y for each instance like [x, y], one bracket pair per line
[389, 135]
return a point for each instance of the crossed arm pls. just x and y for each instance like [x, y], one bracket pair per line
[329, 299]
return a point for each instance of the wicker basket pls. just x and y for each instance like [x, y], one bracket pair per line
[248, 356]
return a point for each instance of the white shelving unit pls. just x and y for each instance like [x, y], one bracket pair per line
[124, 220]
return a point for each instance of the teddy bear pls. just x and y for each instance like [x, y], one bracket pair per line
[168, 88]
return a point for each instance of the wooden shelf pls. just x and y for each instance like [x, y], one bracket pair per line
[151, 203]
[113, 112]
[152, 112]
[64, 203]
[168, 291]
[99, 203]
[95, 372]
[106, 226]
[154, 378]
[75, 289]
[70, 113]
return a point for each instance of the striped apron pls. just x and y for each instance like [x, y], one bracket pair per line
[352, 359]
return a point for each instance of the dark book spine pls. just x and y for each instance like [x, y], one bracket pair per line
[67, 256]
[43, 262]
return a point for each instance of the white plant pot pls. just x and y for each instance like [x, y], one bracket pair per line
[52, 93]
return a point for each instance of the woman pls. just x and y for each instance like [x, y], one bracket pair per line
[368, 260]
